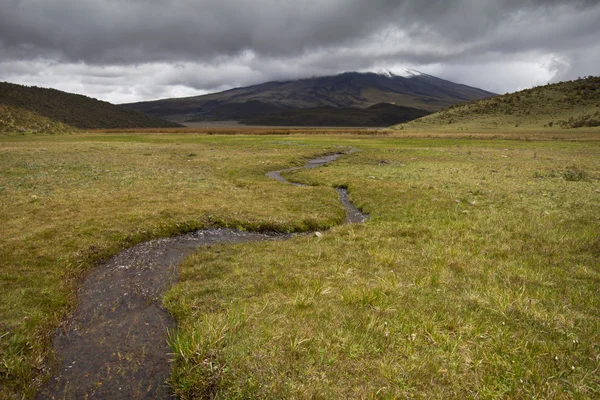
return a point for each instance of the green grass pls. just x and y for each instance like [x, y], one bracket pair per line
[555, 107]
[67, 201]
[476, 275]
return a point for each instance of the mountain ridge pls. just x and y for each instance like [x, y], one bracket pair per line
[346, 90]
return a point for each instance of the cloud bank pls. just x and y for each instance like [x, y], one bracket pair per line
[135, 50]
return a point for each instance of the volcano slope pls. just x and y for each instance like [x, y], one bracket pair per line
[475, 275]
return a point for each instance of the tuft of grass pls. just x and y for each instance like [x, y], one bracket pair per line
[575, 174]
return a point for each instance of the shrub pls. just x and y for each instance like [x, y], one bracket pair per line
[587, 120]
[574, 174]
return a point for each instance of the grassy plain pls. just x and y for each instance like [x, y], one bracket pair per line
[69, 200]
[475, 277]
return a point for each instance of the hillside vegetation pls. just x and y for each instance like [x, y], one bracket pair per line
[563, 105]
[76, 110]
[14, 119]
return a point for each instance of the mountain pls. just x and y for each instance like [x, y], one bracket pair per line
[571, 104]
[73, 109]
[382, 114]
[351, 89]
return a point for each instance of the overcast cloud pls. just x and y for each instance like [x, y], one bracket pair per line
[133, 50]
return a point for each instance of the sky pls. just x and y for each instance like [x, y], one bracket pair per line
[135, 50]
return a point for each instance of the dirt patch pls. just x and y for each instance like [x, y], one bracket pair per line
[115, 344]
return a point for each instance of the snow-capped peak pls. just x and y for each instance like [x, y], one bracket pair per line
[404, 72]
[386, 73]
[409, 73]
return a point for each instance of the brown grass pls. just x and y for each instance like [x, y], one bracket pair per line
[531, 134]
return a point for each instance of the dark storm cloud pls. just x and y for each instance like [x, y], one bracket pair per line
[184, 46]
[142, 31]
[136, 31]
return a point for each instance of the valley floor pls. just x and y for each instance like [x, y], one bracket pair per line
[476, 275]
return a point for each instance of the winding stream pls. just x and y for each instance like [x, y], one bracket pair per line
[114, 346]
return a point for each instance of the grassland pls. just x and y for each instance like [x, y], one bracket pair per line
[476, 275]
[70, 200]
[559, 106]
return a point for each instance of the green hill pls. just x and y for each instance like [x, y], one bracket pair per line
[563, 105]
[74, 109]
[14, 119]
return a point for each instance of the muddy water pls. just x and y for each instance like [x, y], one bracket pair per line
[353, 214]
[114, 346]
